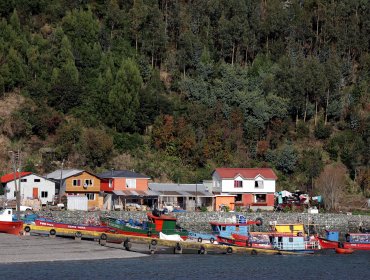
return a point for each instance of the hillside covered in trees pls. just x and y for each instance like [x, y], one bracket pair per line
[175, 88]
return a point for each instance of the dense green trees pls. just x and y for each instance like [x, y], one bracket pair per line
[195, 84]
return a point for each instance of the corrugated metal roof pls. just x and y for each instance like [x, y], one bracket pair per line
[136, 193]
[66, 173]
[184, 190]
[122, 174]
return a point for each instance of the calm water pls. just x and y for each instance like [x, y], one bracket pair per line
[329, 266]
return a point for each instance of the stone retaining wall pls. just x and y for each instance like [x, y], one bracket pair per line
[199, 221]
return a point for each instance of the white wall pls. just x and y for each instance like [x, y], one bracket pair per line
[27, 188]
[75, 202]
[248, 186]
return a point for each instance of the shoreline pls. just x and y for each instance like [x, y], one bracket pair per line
[29, 249]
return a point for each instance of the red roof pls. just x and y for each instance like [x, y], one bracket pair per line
[10, 176]
[246, 173]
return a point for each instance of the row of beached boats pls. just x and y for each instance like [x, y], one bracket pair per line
[237, 232]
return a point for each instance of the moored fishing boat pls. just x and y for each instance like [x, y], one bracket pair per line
[296, 244]
[8, 225]
[327, 244]
[357, 241]
[56, 225]
[155, 224]
[255, 240]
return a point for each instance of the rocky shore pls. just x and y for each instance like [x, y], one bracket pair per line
[199, 221]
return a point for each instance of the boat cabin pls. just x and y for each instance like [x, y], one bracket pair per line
[6, 215]
[227, 229]
[358, 237]
[291, 229]
[163, 223]
[290, 243]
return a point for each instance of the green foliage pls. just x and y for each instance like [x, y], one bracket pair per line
[190, 85]
[125, 142]
[303, 130]
[286, 159]
[322, 131]
[124, 97]
[96, 146]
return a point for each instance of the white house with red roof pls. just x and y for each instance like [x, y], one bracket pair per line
[252, 187]
[32, 186]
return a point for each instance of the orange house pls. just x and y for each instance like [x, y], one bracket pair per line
[123, 187]
[79, 182]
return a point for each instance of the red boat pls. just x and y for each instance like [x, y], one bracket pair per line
[343, 251]
[358, 241]
[55, 225]
[11, 227]
[327, 244]
[255, 240]
[7, 225]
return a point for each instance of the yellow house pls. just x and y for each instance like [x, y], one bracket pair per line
[79, 182]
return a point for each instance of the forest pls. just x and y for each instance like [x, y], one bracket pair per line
[175, 88]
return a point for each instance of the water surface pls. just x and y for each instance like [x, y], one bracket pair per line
[164, 266]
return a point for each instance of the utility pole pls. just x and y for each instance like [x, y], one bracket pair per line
[16, 159]
[19, 184]
[61, 184]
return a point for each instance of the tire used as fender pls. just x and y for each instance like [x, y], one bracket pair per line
[52, 232]
[200, 239]
[103, 236]
[259, 221]
[78, 234]
[149, 233]
[212, 240]
[153, 242]
[27, 229]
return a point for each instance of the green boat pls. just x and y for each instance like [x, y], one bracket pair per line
[155, 224]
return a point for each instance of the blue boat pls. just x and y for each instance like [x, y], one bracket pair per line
[296, 244]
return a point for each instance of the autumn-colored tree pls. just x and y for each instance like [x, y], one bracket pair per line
[331, 184]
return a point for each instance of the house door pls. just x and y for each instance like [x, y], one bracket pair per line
[35, 193]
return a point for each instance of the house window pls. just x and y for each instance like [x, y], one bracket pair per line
[238, 184]
[44, 194]
[76, 182]
[110, 183]
[90, 196]
[36, 180]
[131, 183]
[88, 183]
[258, 184]
[260, 198]
[23, 180]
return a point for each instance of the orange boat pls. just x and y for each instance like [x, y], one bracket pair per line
[344, 250]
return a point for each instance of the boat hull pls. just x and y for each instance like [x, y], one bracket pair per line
[328, 244]
[356, 246]
[242, 242]
[148, 231]
[344, 250]
[15, 228]
[56, 225]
